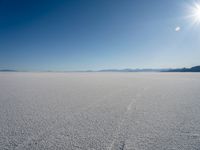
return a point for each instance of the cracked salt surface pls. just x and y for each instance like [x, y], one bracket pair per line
[122, 111]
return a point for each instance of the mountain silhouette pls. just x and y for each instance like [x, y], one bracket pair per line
[193, 69]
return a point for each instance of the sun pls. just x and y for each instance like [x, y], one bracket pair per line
[195, 13]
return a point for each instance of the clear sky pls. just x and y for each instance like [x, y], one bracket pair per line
[97, 34]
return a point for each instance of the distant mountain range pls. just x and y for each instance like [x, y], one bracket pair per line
[8, 70]
[193, 69]
[133, 70]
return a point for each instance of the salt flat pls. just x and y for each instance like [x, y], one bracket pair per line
[111, 111]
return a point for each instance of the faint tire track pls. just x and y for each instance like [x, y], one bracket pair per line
[119, 142]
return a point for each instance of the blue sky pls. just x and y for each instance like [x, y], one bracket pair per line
[97, 34]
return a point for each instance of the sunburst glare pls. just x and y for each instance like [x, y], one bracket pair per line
[194, 13]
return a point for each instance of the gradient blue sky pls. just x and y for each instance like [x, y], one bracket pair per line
[96, 34]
